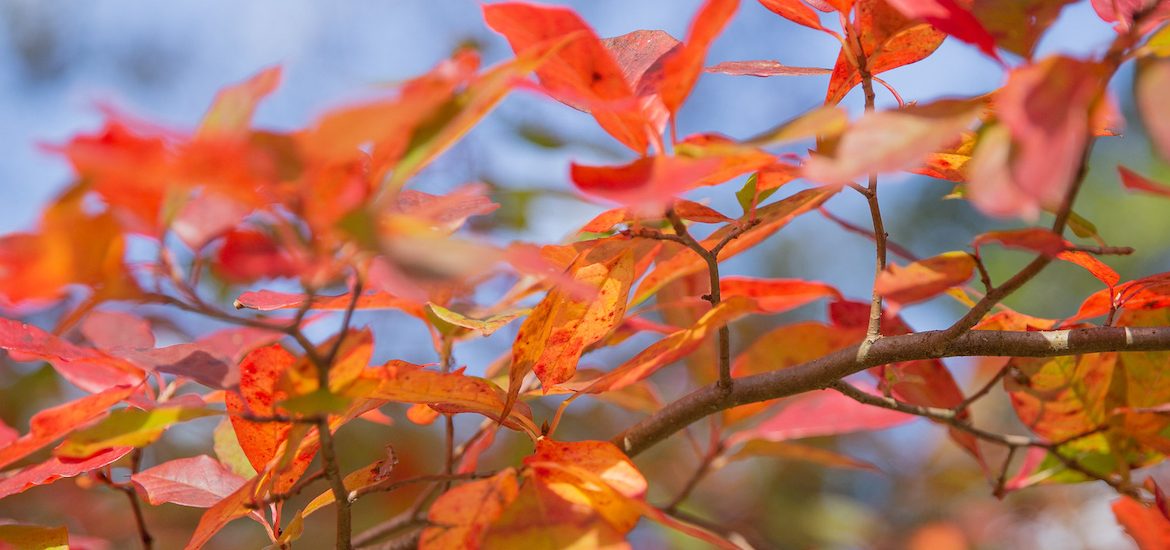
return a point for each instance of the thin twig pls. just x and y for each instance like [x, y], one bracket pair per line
[711, 257]
[700, 472]
[389, 486]
[285, 495]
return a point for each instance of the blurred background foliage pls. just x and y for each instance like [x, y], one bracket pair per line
[60, 61]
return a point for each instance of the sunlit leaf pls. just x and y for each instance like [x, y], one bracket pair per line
[199, 481]
[924, 279]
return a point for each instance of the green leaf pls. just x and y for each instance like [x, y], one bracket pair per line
[449, 322]
[127, 428]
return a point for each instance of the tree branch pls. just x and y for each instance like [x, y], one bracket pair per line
[820, 373]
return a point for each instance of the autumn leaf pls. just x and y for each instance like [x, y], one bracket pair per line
[776, 295]
[53, 423]
[820, 414]
[796, 11]
[128, 427]
[1136, 182]
[1153, 76]
[681, 69]
[887, 141]
[583, 72]
[924, 279]
[226, 510]
[553, 337]
[199, 481]
[91, 370]
[1043, 241]
[1029, 163]
[462, 515]
[230, 115]
[784, 450]
[888, 40]
[55, 468]
[1061, 397]
[33, 537]
[950, 17]
[1148, 526]
[764, 68]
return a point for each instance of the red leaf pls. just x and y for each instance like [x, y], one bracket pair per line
[948, 16]
[211, 360]
[463, 515]
[230, 114]
[888, 39]
[1136, 182]
[681, 69]
[639, 54]
[1043, 241]
[230, 508]
[1151, 292]
[90, 369]
[268, 300]
[116, 331]
[248, 255]
[764, 69]
[776, 295]
[56, 468]
[199, 481]
[583, 71]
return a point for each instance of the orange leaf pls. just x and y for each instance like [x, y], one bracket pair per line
[948, 16]
[1152, 292]
[1148, 526]
[1136, 182]
[924, 279]
[268, 300]
[228, 509]
[91, 370]
[888, 40]
[462, 515]
[553, 337]
[230, 114]
[582, 72]
[796, 11]
[55, 468]
[776, 295]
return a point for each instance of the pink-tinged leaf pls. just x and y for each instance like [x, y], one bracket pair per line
[1147, 525]
[924, 279]
[759, 448]
[90, 369]
[462, 515]
[887, 141]
[1034, 239]
[116, 331]
[777, 295]
[207, 216]
[764, 68]
[821, 413]
[639, 54]
[796, 11]
[1028, 474]
[772, 218]
[672, 348]
[230, 114]
[1122, 12]
[948, 16]
[199, 481]
[1045, 108]
[582, 73]
[56, 468]
[1016, 25]
[1136, 182]
[51, 424]
[447, 212]
[681, 69]
[8, 434]
[212, 360]
[228, 509]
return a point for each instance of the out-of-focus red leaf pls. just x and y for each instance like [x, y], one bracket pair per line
[91, 370]
[1136, 182]
[1148, 526]
[268, 300]
[776, 295]
[447, 212]
[248, 255]
[53, 423]
[771, 218]
[199, 481]
[1017, 25]
[1122, 12]
[681, 69]
[115, 331]
[1043, 241]
[924, 279]
[206, 216]
[948, 16]
[791, 451]
[462, 515]
[582, 72]
[764, 68]
[56, 468]
[821, 413]
[796, 11]
[886, 141]
[1045, 108]
[231, 112]
[212, 360]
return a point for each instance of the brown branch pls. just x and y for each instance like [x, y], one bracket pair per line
[984, 390]
[711, 257]
[389, 486]
[821, 372]
[132, 495]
